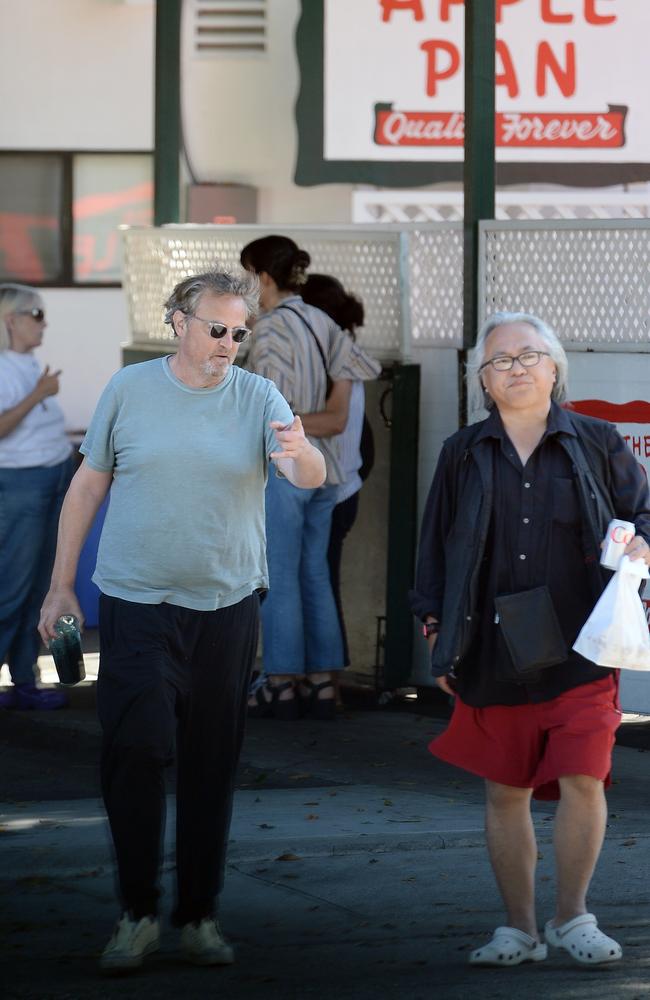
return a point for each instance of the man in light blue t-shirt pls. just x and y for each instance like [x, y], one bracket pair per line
[183, 443]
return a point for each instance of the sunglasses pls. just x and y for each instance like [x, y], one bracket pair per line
[37, 314]
[219, 330]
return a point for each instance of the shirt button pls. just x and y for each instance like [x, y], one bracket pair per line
[527, 486]
[526, 520]
[522, 556]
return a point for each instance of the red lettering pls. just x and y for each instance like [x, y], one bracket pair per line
[22, 237]
[551, 18]
[84, 252]
[621, 535]
[646, 445]
[415, 7]
[591, 17]
[445, 7]
[435, 72]
[565, 77]
[506, 76]
[636, 445]
[503, 3]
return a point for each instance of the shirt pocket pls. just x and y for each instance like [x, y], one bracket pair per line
[566, 506]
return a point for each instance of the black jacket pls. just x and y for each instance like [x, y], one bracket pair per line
[457, 518]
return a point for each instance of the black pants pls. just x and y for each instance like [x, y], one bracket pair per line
[343, 517]
[172, 683]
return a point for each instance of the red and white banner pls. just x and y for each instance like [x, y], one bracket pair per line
[632, 421]
[513, 129]
[572, 78]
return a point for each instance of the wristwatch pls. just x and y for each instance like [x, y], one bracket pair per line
[430, 628]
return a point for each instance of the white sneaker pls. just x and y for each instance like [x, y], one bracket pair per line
[131, 941]
[204, 944]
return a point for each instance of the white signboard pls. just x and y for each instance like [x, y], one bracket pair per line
[572, 80]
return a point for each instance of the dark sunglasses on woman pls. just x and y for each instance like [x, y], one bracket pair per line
[35, 313]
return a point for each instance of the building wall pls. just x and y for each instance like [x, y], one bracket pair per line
[238, 113]
[85, 330]
[84, 72]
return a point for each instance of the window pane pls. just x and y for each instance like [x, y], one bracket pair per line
[109, 191]
[30, 211]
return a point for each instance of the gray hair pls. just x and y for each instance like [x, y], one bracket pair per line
[477, 398]
[186, 294]
[15, 298]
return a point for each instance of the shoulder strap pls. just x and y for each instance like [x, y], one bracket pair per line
[579, 452]
[313, 333]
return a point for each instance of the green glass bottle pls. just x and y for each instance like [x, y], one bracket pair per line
[66, 650]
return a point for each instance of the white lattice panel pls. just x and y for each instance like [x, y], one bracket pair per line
[409, 279]
[589, 280]
[442, 205]
[435, 285]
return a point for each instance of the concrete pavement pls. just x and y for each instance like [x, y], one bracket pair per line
[356, 870]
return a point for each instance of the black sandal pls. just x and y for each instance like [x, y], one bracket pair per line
[319, 708]
[265, 708]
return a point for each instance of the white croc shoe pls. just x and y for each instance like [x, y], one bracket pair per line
[131, 941]
[584, 941]
[204, 944]
[509, 946]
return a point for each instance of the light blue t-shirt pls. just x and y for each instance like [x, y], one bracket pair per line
[185, 522]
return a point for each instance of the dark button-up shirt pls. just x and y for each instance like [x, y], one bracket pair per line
[534, 539]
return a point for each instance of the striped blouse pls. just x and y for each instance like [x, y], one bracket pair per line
[283, 350]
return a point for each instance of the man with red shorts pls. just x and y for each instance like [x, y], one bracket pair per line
[519, 506]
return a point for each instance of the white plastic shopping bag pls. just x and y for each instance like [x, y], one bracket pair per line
[616, 632]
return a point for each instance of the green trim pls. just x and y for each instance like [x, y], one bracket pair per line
[479, 165]
[133, 354]
[402, 525]
[311, 166]
[167, 113]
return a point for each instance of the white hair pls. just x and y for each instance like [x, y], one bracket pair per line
[477, 398]
[15, 298]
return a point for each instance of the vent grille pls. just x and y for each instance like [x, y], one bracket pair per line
[238, 26]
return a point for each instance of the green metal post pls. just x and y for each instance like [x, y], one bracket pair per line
[402, 524]
[479, 167]
[167, 112]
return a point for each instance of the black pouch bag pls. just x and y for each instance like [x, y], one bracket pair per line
[531, 631]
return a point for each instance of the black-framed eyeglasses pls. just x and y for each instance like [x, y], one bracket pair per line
[219, 330]
[35, 313]
[505, 362]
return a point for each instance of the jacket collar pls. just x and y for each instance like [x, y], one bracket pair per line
[559, 422]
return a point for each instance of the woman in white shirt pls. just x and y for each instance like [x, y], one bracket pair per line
[35, 470]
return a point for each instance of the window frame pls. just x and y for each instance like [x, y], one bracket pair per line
[66, 218]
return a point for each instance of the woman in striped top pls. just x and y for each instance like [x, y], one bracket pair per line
[327, 293]
[313, 363]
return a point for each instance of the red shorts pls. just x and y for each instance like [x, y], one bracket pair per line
[532, 745]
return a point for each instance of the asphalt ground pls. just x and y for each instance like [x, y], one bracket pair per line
[357, 868]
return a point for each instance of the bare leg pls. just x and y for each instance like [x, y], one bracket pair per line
[578, 838]
[513, 852]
